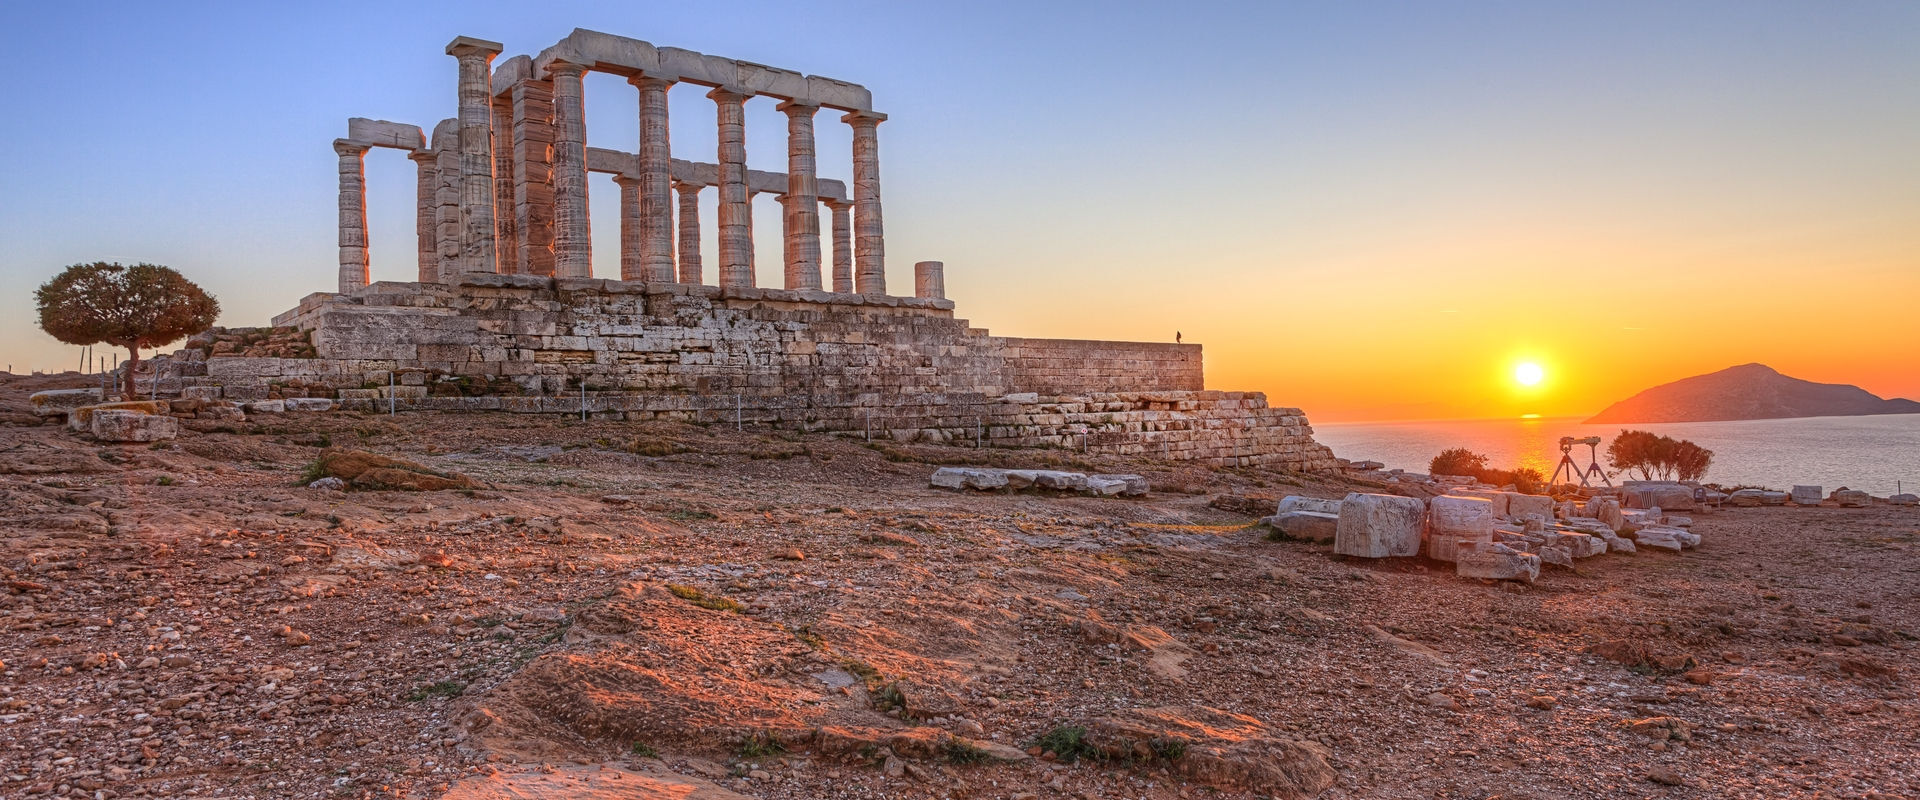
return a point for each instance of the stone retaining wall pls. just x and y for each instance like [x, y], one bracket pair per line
[886, 367]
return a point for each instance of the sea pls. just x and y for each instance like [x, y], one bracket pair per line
[1876, 454]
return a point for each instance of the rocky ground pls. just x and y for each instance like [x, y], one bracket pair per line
[669, 611]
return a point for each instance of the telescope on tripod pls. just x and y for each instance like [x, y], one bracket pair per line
[1573, 470]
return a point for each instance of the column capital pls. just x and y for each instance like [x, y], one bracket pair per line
[569, 69]
[422, 155]
[835, 203]
[351, 146]
[796, 108]
[470, 47]
[625, 179]
[651, 82]
[865, 119]
[687, 186]
[730, 94]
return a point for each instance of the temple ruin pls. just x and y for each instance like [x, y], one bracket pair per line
[505, 314]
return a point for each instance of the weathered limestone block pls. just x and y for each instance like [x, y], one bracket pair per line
[1453, 519]
[1659, 538]
[1105, 487]
[1657, 494]
[1379, 526]
[122, 425]
[1904, 499]
[1557, 555]
[1062, 481]
[55, 402]
[1295, 502]
[202, 393]
[1133, 485]
[1495, 561]
[308, 404]
[1497, 499]
[1307, 526]
[1852, 498]
[267, 407]
[969, 478]
[1807, 495]
[1607, 510]
[1521, 506]
[1578, 545]
[81, 419]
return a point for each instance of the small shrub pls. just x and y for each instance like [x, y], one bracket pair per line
[961, 751]
[644, 750]
[1167, 749]
[704, 600]
[440, 689]
[760, 745]
[1458, 461]
[888, 698]
[1068, 743]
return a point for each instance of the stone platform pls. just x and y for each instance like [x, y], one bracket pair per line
[897, 368]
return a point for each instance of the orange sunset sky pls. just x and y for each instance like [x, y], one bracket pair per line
[1370, 211]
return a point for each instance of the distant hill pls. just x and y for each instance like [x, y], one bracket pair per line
[1748, 391]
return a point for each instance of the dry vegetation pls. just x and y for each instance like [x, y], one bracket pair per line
[613, 608]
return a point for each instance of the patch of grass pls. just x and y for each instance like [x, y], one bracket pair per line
[776, 450]
[653, 447]
[888, 698]
[961, 751]
[164, 480]
[759, 745]
[1068, 743]
[704, 600]
[644, 750]
[440, 689]
[313, 471]
[1168, 749]
[812, 640]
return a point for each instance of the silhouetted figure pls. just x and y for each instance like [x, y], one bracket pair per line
[1176, 337]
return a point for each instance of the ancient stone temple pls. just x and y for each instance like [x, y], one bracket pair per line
[506, 315]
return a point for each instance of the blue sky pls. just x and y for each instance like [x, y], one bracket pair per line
[1303, 186]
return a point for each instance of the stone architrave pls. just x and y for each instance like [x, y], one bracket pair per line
[929, 280]
[1380, 526]
[476, 151]
[690, 267]
[842, 245]
[1498, 499]
[735, 204]
[572, 238]
[1457, 519]
[353, 213]
[506, 232]
[631, 228]
[425, 224]
[1521, 506]
[800, 205]
[869, 230]
[533, 138]
[655, 186]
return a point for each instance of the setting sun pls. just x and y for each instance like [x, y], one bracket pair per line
[1529, 374]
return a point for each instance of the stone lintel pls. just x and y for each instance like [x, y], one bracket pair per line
[468, 45]
[381, 133]
[621, 55]
[510, 72]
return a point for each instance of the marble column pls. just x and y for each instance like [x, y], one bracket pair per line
[533, 175]
[353, 213]
[800, 206]
[842, 246]
[506, 233]
[632, 230]
[869, 240]
[446, 209]
[656, 181]
[689, 231]
[425, 222]
[735, 205]
[476, 151]
[930, 280]
[572, 244]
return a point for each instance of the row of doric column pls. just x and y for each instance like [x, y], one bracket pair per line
[503, 187]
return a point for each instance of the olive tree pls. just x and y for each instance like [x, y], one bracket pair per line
[145, 305]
